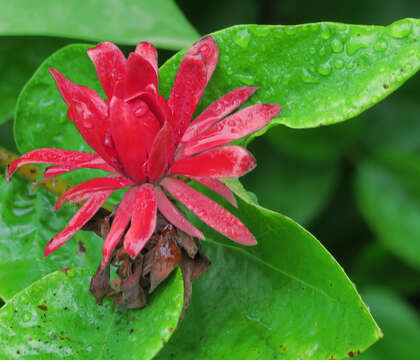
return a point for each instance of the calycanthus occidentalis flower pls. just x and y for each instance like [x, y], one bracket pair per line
[146, 142]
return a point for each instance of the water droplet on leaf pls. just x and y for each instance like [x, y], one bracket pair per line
[337, 46]
[381, 45]
[324, 69]
[400, 29]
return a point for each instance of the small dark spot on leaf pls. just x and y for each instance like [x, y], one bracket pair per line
[65, 308]
[358, 34]
[386, 86]
[331, 358]
[29, 339]
[131, 331]
[54, 294]
[53, 337]
[171, 329]
[66, 270]
[60, 347]
[283, 348]
[32, 171]
[38, 326]
[43, 307]
[61, 338]
[81, 249]
[351, 353]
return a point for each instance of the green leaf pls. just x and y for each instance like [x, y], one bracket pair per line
[57, 318]
[388, 195]
[288, 185]
[27, 223]
[284, 298]
[124, 22]
[19, 58]
[320, 73]
[401, 325]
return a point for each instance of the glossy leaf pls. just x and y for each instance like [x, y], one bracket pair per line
[387, 189]
[320, 73]
[401, 325]
[19, 58]
[57, 318]
[124, 22]
[27, 223]
[284, 298]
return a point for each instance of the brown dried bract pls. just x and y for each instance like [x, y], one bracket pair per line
[167, 249]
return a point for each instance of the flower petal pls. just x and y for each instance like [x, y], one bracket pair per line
[234, 127]
[143, 222]
[61, 157]
[90, 115]
[85, 213]
[140, 76]
[207, 48]
[161, 153]
[90, 187]
[209, 211]
[189, 85]
[96, 162]
[218, 187]
[110, 64]
[148, 51]
[223, 162]
[217, 111]
[133, 137]
[119, 224]
[172, 214]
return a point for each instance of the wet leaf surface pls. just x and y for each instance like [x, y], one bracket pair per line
[394, 218]
[57, 318]
[284, 298]
[124, 21]
[320, 73]
[27, 223]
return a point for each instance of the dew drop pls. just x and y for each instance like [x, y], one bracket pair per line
[337, 46]
[325, 31]
[7, 313]
[312, 50]
[307, 77]
[321, 51]
[381, 45]
[338, 63]
[400, 29]
[242, 38]
[324, 69]
[354, 44]
[27, 316]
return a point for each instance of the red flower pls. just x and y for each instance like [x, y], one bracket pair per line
[143, 141]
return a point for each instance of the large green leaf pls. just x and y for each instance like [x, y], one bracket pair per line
[388, 195]
[401, 325]
[19, 58]
[57, 318]
[320, 73]
[123, 22]
[27, 222]
[284, 298]
[288, 185]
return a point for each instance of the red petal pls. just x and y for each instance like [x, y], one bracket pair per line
[217, 111]
[224, 162]
[210, 212]
[207, 48]
[86, 189]
[95, 163]
[89, 113]
[189, 85]
[110, 64]
[119, 224]
[171, 213]
[149, 53]
[79, 219]
[143, 222]
[236, 126]
[218, 187]
[133, 137]
[140, 76]
[52, 156]
[162, 153]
